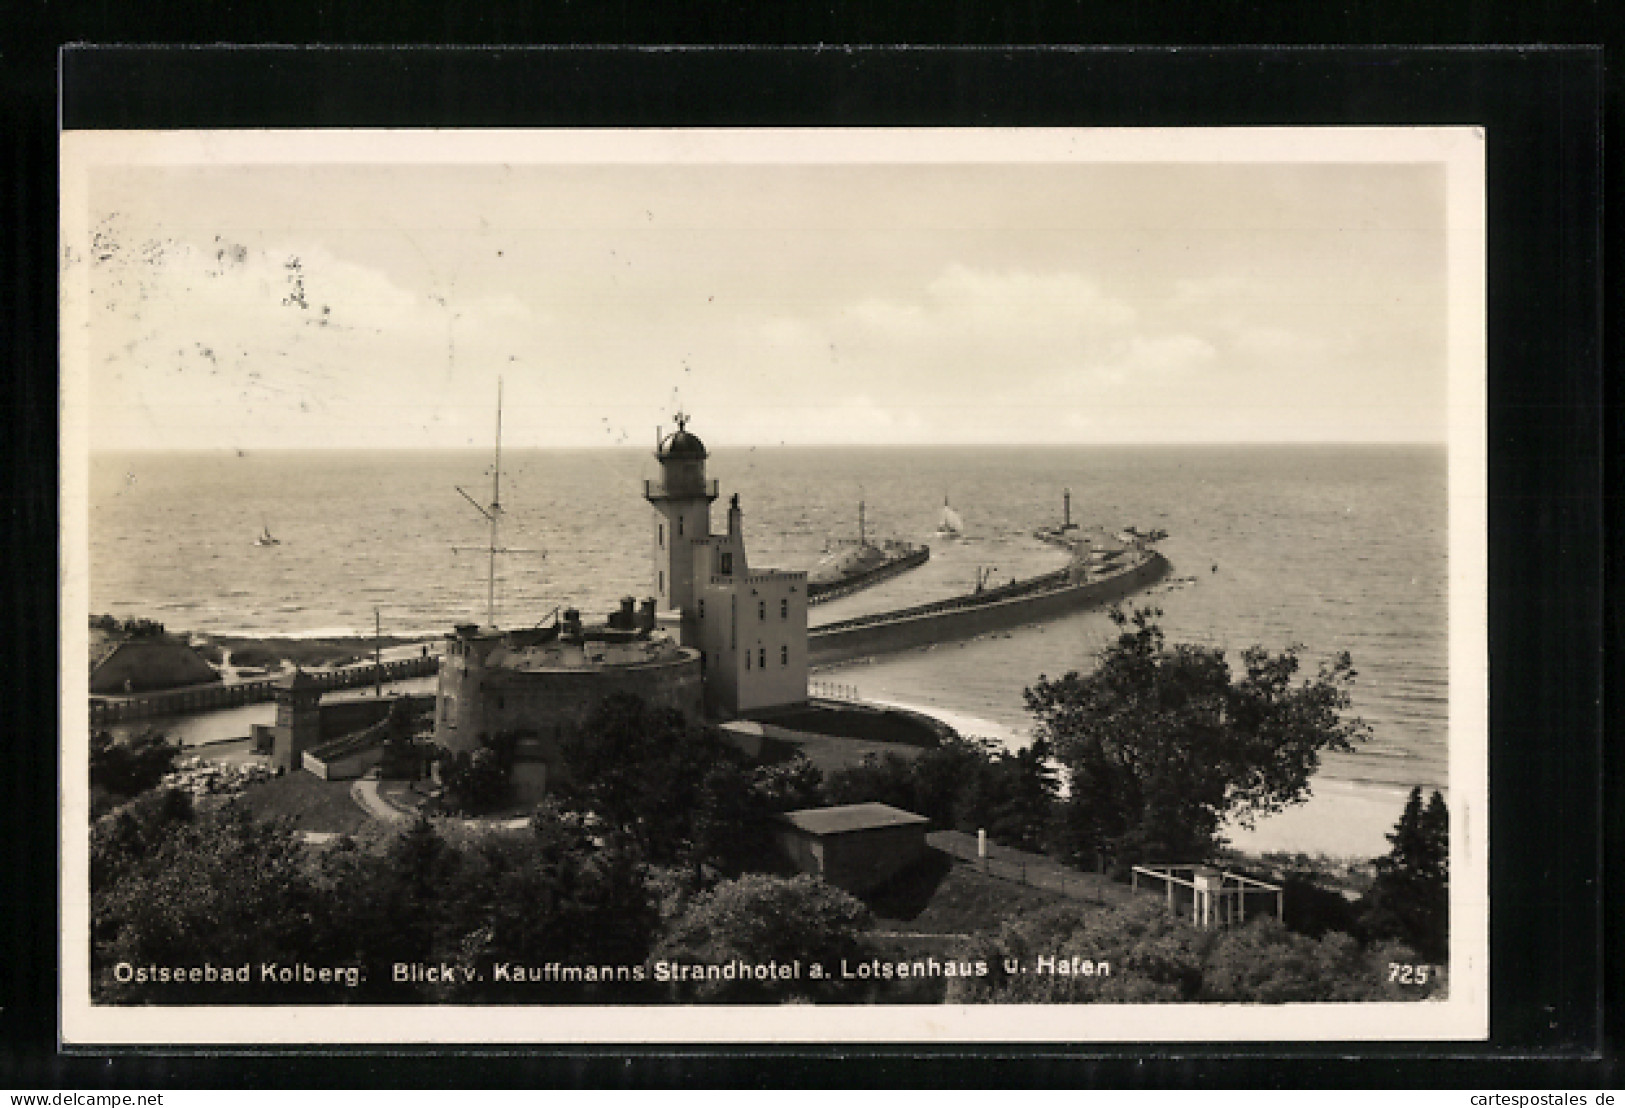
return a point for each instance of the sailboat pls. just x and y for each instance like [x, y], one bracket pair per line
[266, 538]
[950, 526]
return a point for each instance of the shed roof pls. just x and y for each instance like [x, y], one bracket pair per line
[844, 818]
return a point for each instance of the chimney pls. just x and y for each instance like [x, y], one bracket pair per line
[735, 518]
[646, 614]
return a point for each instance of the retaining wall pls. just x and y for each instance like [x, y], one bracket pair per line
[948, 620]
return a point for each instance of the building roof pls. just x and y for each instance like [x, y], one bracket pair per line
[844, 818]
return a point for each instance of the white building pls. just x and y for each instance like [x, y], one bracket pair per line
[750, 625]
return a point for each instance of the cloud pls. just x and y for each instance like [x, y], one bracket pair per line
[249, 341]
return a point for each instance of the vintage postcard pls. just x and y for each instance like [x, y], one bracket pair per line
[683, 586]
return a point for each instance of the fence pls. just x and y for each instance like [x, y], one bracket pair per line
[1032, 870]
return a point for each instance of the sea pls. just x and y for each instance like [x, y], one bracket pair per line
[1323, 548]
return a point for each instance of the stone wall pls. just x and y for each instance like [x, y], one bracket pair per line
[550, 702]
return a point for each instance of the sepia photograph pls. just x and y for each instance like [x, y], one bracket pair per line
[737, 586]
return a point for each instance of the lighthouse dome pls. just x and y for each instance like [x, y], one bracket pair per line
[682, 443]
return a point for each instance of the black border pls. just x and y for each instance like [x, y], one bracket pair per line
[1543, 111]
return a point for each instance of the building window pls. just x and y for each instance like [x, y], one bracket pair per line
[761, 657]
[662, 535]
[747, 661]
[662, 581]
[702, 607]
[784, 607]
[784, 655]
[761, 609]
[727, 562]
[679, 525]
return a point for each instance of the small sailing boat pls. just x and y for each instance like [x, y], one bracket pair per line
[950, 526]
[266, 538]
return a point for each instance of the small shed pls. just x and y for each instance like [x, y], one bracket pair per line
[852, 846]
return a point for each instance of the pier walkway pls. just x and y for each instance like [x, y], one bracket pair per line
[231, 694]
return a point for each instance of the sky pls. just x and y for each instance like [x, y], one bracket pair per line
[286, 304]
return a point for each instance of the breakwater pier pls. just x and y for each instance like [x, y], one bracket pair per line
[106, 710]
[1032, 600]
[821, 593]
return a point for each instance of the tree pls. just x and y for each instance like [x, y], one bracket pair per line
[788, 785]
[944, 781]
[678, 790]
[554, 895]
[119, 770]
[1162, 744]
[760, 920]
[475, 781]
[221, 889]
[1013, 797]
[879, 778]
[1410, 898]
[1263, 962]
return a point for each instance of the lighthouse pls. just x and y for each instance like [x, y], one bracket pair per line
[681, 498]
[749, 624]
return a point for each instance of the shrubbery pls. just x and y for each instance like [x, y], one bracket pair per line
[1151, 956]
[121, 770]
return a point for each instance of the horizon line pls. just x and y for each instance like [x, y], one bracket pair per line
[599, 448]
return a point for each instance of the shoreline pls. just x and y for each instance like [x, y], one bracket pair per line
[1346, 818]
[1342, 819]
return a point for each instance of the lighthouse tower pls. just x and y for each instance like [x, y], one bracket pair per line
[749, 623]
[682, 500]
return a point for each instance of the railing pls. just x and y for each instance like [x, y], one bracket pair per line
[657, 490]
[829, 691]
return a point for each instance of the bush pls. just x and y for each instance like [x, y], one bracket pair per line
[757, 919]
[125, 769]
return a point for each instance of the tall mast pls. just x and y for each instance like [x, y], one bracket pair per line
[496, 515]
[493, 513]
